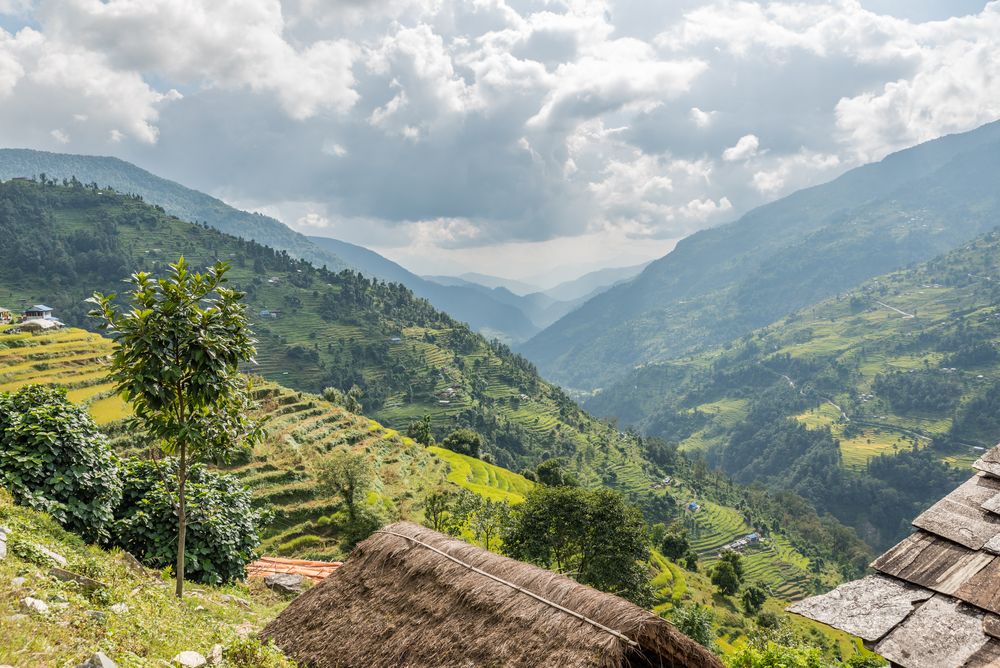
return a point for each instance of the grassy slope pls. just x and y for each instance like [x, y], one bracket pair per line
[156, 626]
[862, 334]
[301, 427]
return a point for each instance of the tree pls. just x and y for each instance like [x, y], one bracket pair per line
[675, 545]
[420, 431]
[464, 442]
[753, 598]
[348, 475]
[54, 458]
[488, 520]
[177, 361]
[736, 560]
[550, 473]
[725, 578]
[595, 535]
[438, 509]
[695, 621]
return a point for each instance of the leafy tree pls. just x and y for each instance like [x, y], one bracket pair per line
[594, 534]
[656, 533]
[54, 458]
[691, 561]
[675, 545]
[736, 559]
[464, 442]
[695, 621]
[773, 654]
[177, 360]
[551, 473]
[488, 520]
[223, 533]
[348, 475]
[753, 598]
[725, 579]
[420, 431]
[438, 510]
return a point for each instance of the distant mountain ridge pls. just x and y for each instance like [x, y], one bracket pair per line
[721, 283]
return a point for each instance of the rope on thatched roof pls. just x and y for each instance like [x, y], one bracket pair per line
[541, 599]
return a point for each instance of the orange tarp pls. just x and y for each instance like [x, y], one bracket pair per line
[314, 570]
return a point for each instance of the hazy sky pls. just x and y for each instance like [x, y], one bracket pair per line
[501, 136]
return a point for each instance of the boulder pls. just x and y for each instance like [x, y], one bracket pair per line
[285, 583]
[190, 659]
[34, 605]
[67, 576]
[97, 660]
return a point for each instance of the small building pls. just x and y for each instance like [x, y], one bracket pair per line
[934, 600]
[410, 596]
[40, 311]
[313, 570]
[5, 316]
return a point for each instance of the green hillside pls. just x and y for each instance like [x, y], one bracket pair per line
[885, 379]
[722, 283]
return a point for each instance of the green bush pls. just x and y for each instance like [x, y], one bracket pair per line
[223, 530]
[53, 458]
[252, 653]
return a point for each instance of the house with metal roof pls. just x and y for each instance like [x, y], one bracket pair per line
[934, 600]
[38, 311]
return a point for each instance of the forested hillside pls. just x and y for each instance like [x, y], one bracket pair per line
[721, 283]
[401, 358]
[853, 402]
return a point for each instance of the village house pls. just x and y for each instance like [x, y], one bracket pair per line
[409, 596]
[5, 316]
[934, 600]
[39, 311]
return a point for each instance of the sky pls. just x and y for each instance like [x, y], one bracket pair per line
[511, 137]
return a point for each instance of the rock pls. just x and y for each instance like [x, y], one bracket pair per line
[244, 630]
[82, 580]
[190, 659]
[33, 605]
[98, 660]
[97, 615]
[131, 563]
[57, 558]
[200, 608]
[119, 608]
[3, 543]
[17, 583]
[285, 583]
[215, 656]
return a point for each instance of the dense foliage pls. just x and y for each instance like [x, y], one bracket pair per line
[54, 458]
[595, 535]
[223, 533]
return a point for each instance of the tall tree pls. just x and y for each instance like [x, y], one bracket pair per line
[177, 361]
[348, 475]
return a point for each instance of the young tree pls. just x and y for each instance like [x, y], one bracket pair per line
[420, 431]
[177, 361]
[438, 510]
[348, 475]
[753, 598]
[736, 560]
[695, 621]
[488, 520]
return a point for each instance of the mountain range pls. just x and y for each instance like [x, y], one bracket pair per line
[721, 283]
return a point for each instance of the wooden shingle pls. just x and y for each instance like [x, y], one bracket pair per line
[941, 632]
[987, 657]
[983, 588]
[989, 462]
[929, 561]
[961, 517]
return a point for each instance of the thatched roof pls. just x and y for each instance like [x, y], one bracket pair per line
[409, 596]
[934, 601]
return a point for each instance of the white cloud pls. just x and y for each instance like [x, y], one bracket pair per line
[745, 148]
[701, 118]
[796, 170]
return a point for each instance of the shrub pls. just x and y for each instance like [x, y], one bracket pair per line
[54, 458]
[252, 653]
[464, 442]
[223, 533]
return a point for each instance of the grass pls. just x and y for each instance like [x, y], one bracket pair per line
[153, 628]
[487, 480]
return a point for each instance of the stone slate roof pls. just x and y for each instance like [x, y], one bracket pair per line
[934, 601]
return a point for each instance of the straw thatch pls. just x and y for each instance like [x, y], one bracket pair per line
[409, 596]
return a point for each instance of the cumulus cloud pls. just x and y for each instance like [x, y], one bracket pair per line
[745, 148]
[439, 128]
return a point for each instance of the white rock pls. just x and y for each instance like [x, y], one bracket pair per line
[17, 583]
[215, 656]
[119, 608]
[190, 659]
[98, 660]
[34, 605]
[54, 556]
